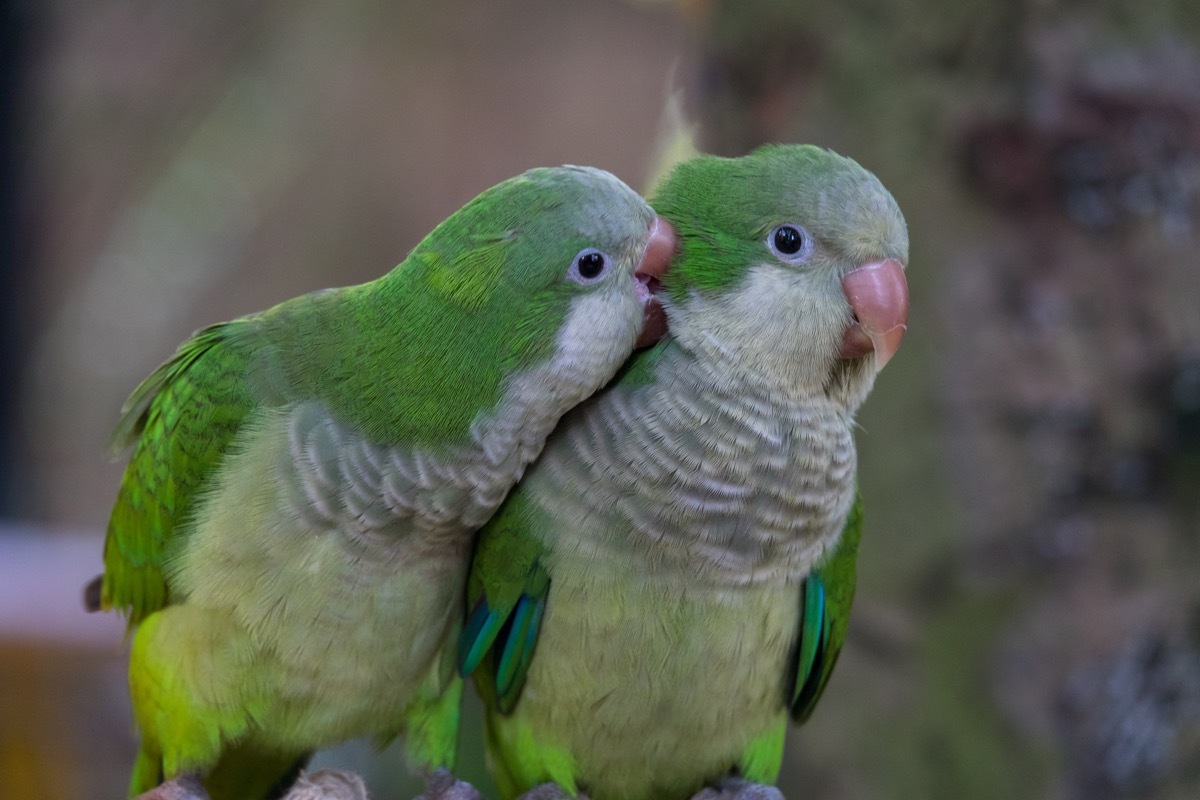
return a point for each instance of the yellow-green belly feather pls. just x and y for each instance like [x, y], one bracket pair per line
[654, 691]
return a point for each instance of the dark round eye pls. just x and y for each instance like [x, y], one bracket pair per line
[788, 240]
[589, 266]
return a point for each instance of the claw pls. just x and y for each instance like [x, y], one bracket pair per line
[550, 791]
[739, 789]
[441, 785]
[183, 787]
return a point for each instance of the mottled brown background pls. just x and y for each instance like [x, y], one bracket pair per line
[1028, 622]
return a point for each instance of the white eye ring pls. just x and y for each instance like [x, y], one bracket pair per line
[790, 242]
[589, 266]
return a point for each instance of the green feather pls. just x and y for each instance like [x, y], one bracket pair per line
[480, 631]
[825, 616]
[463, 312]
[508, 586]
[516, 649]
[180, 421]
[813, 642]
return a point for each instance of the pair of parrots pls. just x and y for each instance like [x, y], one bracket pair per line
[318, 534]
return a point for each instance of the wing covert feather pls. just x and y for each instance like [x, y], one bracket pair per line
[506, 598]
[825, 615]
[180, 421]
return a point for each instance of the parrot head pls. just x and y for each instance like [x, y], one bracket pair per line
[512, 310]
[571, 250]
[791, 266]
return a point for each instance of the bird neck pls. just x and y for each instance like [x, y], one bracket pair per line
[700, 473]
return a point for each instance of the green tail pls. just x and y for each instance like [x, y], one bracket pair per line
[147, 772]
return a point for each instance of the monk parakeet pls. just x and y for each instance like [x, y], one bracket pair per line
[672, 577]
[292, 535]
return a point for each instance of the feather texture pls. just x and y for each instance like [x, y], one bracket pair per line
[292, 534]
[687, 527]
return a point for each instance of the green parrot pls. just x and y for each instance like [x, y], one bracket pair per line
[672, 578]
[292, 535]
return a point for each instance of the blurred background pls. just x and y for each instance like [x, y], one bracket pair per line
[1028, 617]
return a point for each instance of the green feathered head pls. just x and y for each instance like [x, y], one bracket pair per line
[768, 245]
[544, 274]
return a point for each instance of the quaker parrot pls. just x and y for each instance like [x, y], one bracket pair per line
[672, 577]
[292, 535]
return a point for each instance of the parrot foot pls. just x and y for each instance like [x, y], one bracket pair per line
[441, 785]
[550, 791]
[183, 787]
[739, 789]
[328, 784]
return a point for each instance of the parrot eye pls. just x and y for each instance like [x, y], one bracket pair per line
[589, 266]
[790, 242]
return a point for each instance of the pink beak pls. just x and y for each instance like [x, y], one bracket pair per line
[661, 245]
[878, 295]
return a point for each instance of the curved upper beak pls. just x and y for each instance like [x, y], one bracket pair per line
[661, 245]
[878, 295]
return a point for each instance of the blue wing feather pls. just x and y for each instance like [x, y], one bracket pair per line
[826, 597]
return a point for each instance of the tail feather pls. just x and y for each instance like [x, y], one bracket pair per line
[246, 774]
[147, 771]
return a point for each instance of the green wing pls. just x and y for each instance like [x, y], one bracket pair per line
[180, 421]
[506, 595]
[827, 596]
